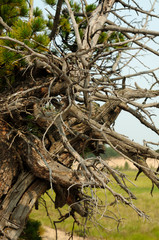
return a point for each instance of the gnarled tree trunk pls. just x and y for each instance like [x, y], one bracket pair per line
[48, 122]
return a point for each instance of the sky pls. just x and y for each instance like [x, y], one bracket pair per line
[126, 124]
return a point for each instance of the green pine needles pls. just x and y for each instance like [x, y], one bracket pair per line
[35, 33]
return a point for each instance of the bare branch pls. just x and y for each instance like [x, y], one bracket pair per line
[78, 38]
[56, 19]
[5, 25]
[128, 30]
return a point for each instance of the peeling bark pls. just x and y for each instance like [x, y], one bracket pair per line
[17, 205]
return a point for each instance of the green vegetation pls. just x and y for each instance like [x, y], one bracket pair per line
[34, 33]
[32, 230]
[131, 227]
[109, 153]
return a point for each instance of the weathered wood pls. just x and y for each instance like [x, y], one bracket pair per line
[18, 203]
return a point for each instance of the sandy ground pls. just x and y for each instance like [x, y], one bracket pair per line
[49, 233]
[120, 162]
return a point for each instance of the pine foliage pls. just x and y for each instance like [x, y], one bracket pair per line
[35, 34]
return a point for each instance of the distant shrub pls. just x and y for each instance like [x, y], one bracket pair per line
[110, 152]
[126, 166]
[31, 230]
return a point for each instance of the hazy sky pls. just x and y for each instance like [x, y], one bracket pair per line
[125, 123]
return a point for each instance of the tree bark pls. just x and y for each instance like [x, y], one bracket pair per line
[18, 203]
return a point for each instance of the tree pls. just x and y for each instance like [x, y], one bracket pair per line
[63, 83]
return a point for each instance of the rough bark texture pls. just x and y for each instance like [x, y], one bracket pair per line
[18, 203]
